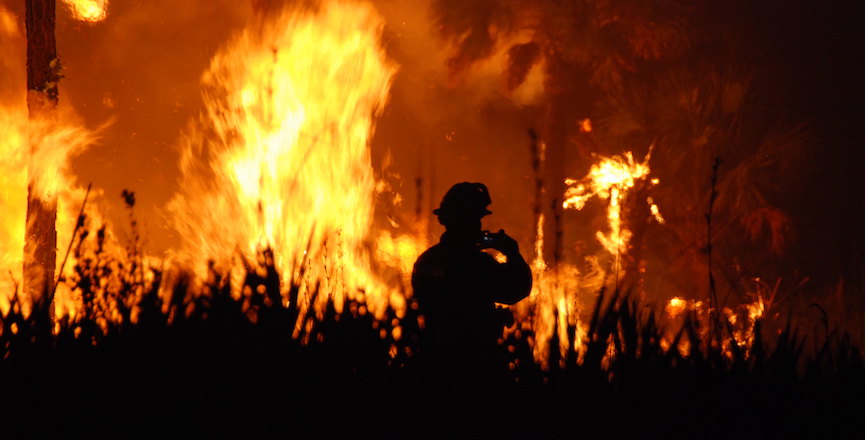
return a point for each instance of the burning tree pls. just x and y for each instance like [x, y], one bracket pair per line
[39, 138]
[43, 67]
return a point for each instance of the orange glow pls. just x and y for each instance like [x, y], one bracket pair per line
[8, 23]
[586, 126]
[91, 11]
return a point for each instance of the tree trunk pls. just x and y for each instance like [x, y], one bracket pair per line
[563, 112]
[555, 172]
[40, 246]
[569, 101]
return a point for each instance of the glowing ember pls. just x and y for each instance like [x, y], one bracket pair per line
[676, 307]
[91, 11]
[653, 208]
[281, 158]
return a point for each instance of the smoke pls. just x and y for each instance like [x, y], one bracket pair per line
[12, 53]
[446, 124]
[141, 68]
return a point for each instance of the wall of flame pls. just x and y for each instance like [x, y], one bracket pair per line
[280, 156]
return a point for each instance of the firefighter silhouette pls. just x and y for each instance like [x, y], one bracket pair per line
[457, 284]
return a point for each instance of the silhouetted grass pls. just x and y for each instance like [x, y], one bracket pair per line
[212, 365]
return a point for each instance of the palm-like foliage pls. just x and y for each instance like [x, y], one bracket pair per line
[684, 77]
[693, 113]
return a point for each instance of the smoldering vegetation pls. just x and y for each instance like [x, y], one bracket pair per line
[158, 355]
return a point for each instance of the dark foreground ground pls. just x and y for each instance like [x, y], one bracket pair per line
[214, 374]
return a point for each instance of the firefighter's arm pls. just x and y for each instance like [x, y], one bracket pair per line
[514, 276]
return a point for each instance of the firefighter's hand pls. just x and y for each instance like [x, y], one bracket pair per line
[504, 316]
[505, 244]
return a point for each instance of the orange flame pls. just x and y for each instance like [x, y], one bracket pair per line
[281, 155]
[610, 179]
[555, 303]
[38, 148]
[742, 321]
[53, 140]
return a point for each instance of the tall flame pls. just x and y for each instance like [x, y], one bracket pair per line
[281, 155]
[13, 199]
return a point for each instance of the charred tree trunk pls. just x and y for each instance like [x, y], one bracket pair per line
[40, 248]
[538, 150]
[565, 148]
[555, 172]
[570, 97]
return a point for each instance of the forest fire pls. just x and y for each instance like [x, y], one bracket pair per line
[264, 175]
[279, 158]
